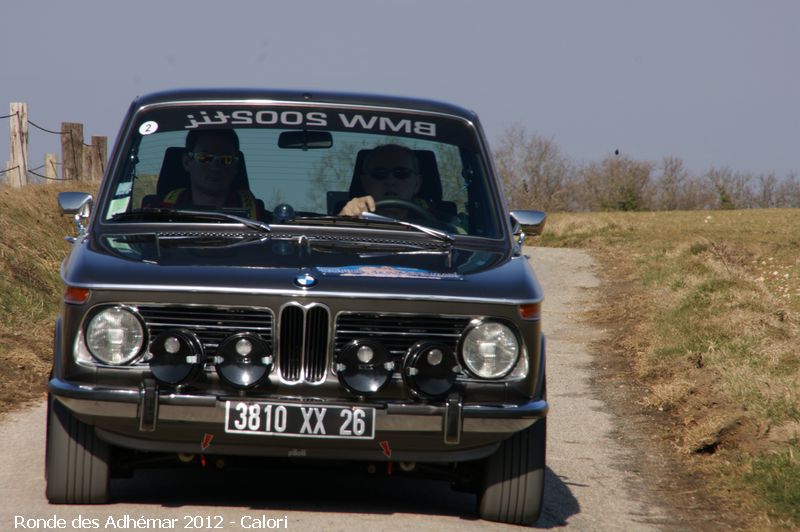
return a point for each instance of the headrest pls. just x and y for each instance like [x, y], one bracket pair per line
[431, 188]
[173, 176]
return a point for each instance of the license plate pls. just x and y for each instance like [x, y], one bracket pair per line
[300, 421]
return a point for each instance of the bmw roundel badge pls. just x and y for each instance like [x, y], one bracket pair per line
[305, 280]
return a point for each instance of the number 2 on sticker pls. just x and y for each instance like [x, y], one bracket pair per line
[148, 128]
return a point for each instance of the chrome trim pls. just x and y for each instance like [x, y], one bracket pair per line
[302, 294]
[199, 305]
[277, 343]
[208, 327]
[443, 335]
[102, 402]
[405, 314]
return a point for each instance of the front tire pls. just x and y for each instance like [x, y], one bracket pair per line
[76, 460]
[513, 478]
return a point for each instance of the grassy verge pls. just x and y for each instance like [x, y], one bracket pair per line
[32, 247]
[707, 307]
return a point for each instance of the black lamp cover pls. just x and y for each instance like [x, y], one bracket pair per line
[430, 368]
[178, 356]
[244, 369]
[364, 377]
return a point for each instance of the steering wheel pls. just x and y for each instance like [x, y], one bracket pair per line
[395, 203]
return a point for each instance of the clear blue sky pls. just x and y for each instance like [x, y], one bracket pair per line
[712, 82]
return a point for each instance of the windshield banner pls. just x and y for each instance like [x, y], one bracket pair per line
[428, 127]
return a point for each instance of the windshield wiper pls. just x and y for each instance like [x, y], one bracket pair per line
[444, 236]
[149, 214]
[371, 217]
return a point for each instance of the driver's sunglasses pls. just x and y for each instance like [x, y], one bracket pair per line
[210, 158]
[400, 172]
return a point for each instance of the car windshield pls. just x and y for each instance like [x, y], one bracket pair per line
[289, 164]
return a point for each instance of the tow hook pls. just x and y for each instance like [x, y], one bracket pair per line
[453, 413]
[148, 405]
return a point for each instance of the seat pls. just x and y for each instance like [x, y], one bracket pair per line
[430, 190]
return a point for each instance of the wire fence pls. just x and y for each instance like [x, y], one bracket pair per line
[31, 122]
[33, 171]
[74, 151]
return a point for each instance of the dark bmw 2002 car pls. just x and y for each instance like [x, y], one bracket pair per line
[300, 276]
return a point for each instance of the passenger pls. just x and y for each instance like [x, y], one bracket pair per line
[212, 162]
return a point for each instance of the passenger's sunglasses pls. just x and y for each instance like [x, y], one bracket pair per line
[400, 172]
[210, 158]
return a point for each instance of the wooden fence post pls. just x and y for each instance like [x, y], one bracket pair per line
[18, 124]
[98, 157]
[72, 151]
[86, 163]
[50, 163]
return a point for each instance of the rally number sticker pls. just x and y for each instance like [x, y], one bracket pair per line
[148, 128]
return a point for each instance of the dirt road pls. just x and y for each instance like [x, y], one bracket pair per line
[588, 484]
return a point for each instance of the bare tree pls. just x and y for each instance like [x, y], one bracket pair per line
[670, 185]
[697, 193]
[787, 194]
[733, 189]
[618, 183]
[534, 172]
[767, 185]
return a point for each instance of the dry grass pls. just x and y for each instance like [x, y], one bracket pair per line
[31, 249]
[665, 396]
[707, 307]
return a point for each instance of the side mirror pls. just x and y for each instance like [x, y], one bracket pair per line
[527, 223]
[78, 204]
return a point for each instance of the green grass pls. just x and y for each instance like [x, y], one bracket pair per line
[776, 476]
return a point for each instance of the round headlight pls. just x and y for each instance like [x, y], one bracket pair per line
[490, 350]
[115, 336]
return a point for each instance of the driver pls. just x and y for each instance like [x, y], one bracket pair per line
[390, 171]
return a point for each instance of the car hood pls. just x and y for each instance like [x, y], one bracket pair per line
[218, 263]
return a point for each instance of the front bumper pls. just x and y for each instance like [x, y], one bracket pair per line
[169, 422]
